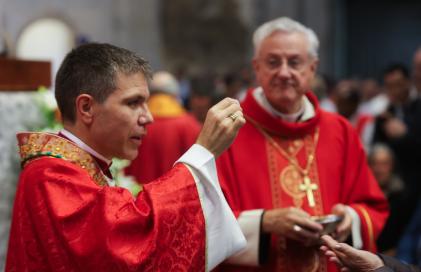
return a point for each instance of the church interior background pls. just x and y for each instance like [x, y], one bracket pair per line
[199, 36]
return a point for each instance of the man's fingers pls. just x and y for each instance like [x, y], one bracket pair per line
[330, 243]
[224, 103]
[233, 109]
[305, 235]
[234, 115]
[336, 261]
[342, 250]
[345, 224]
[239, 121]
[310, 224]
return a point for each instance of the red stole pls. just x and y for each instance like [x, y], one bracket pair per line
[255, 174]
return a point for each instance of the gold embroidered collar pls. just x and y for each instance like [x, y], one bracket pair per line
[33, 145]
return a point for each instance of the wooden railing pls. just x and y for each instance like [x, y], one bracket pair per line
[24, 75]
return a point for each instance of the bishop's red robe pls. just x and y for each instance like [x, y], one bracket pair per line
[65, 218]
[255, 175]
[171, 134]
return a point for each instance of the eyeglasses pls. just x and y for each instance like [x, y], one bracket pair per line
[294, 63]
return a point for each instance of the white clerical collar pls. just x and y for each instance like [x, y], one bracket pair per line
[84, 146]
[305, 113]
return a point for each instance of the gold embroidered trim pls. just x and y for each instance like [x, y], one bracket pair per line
[284, 259]
[294, 175]
[33, 145]
[370, 231]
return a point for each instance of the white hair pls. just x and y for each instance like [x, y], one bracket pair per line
[163, 81]
[285, 24]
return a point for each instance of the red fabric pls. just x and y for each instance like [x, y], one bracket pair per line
[167, 139]
[63, 221]
[250, 176]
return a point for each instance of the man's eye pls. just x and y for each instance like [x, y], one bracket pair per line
[272, 63]
[295, 63]
[133, 103]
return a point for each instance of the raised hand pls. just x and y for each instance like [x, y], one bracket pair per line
[221, 126]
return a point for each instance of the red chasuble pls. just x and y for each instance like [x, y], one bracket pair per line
[171, 134]
[325, 152]
[66, 218]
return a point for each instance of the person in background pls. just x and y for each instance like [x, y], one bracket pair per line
[373, 100]
[382, 163]
[202, 97]
[232, 85]
[348, 98]
[292, 161]
[184, 83]
[171, 134]
[416, 73]
[399, 128]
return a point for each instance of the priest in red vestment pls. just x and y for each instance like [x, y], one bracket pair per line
[293, 162]
[69, 216]
[170, 135]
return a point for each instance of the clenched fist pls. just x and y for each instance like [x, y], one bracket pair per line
[223, 121]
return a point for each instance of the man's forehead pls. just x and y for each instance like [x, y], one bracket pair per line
[132, 83]
[136, 75]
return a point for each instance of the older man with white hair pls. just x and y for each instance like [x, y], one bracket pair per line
[169, 136]
[293, 163]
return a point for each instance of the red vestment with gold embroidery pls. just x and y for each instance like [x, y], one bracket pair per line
[254, 174]
[66, 218]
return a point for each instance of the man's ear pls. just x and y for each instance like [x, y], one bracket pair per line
[314, 65]
[85, 108]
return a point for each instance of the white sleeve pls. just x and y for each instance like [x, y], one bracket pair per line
[223, 234]
[357, 240]
[250, 222]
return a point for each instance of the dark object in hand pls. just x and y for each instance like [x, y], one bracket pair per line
[329, 222]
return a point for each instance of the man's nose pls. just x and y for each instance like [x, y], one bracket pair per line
[145, 117]
[284, 70]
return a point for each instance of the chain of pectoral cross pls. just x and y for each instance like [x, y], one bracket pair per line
[307, 186]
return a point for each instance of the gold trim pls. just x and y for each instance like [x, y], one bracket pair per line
[34, 145]
[288, 174]
[370, 231]
[276, 166]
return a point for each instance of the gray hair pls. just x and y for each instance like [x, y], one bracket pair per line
[285, 24]
[165, 82]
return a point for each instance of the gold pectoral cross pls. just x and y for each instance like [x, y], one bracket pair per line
[308, 187]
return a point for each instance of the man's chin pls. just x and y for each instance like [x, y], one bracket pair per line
[128, 155]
